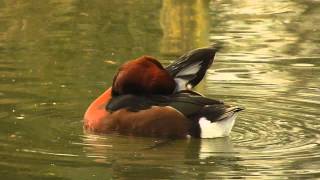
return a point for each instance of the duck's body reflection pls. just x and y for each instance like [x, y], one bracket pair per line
[154, 158]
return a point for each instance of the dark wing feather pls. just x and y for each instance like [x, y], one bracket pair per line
[190, 68]
[131, 102]
[190, 105]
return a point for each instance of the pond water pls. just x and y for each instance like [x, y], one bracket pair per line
[57, 56]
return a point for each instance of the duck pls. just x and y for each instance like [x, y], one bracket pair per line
[148, 99]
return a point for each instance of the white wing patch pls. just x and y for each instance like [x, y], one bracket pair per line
[192, 69]
[182, 84]
[216, 129]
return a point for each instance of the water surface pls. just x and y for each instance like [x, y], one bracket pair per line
[57, 56]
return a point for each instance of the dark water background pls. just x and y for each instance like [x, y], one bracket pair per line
[56, 56]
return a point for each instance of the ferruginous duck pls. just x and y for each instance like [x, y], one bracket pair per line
[147, 99]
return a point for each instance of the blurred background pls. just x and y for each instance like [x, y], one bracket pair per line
[57, 56]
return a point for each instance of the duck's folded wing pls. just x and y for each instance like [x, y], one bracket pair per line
[191, 106]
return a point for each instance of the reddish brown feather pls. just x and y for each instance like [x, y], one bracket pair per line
[144, 75]
[155, 122]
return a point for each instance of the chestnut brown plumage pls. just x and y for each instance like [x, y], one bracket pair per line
[147, 99]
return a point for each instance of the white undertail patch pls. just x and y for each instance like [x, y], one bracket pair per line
[216, 129]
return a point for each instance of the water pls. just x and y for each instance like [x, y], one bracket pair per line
[57, 56]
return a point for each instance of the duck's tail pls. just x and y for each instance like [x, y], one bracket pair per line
[221, 126]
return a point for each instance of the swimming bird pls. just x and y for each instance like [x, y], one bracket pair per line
[147, 99]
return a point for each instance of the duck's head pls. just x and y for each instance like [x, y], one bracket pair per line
[144, 75]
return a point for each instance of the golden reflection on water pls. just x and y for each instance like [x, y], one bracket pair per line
[185, 25]
[280, 28]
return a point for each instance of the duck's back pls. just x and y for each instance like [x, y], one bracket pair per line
[176, 115]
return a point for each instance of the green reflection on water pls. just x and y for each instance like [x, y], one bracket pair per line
[57, 56]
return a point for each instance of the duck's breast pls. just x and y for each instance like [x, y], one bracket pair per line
[96, 114]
